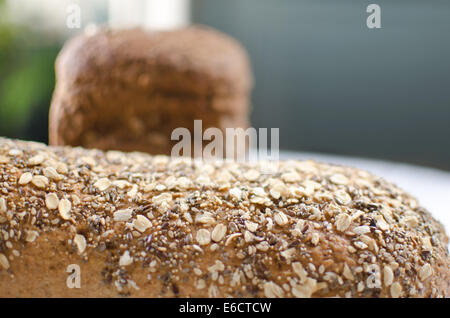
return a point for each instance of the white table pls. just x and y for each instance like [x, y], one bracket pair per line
[430, 186]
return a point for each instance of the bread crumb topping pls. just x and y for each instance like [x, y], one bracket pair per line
[306, 229]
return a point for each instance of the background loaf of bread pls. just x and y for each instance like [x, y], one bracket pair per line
[129, 89]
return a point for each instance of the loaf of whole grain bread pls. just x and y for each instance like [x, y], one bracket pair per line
[137, 225]
[128, 89]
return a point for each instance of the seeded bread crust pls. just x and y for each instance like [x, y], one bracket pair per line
[152, 226]
[135, 84]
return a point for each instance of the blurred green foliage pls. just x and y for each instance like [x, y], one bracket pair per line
[26, 80]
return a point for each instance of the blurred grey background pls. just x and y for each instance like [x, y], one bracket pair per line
[333, 85]
[327, 81]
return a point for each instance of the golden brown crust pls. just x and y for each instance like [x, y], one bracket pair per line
[136, 85]
[139, 225]
[94, 117]
[196, 60]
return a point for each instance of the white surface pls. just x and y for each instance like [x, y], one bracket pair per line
[167, 14]
[430, 186]
[151, 14]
